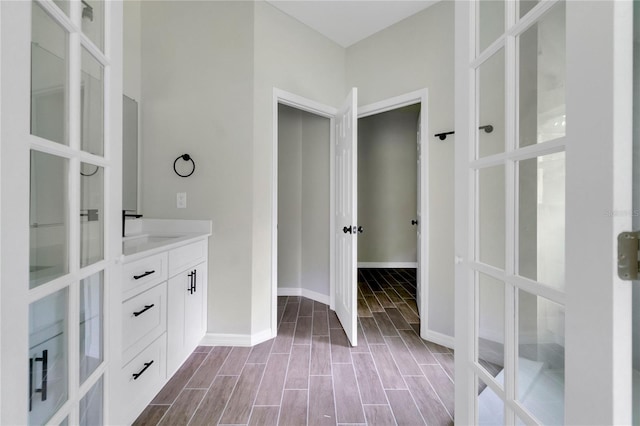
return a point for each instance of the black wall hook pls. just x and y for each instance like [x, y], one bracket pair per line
[488, 128]
[185, 157]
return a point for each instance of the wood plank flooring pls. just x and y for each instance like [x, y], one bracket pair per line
[310, 375]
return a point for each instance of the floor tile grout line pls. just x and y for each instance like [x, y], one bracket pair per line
[437, 394]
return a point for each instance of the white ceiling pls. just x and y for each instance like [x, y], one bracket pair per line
[348, 21]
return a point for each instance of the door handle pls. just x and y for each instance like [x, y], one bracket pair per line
[360, 229]
[414, 222]
[347, 230]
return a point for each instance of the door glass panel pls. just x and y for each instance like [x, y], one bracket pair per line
[491, 22]
[93, 21]
[542, 55]
[491, 216]
[48, 331]
[91, 214]
[92, 103]
[526, 6]
[65, 422]
[541, 219]
[49, 77]
[491, 97]
[63, 5]
[490, 406]
[48, 230]
[91, 406]
[540, 361]
[91, 335]
[490, 338]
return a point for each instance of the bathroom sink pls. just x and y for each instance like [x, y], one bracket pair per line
[140, 243]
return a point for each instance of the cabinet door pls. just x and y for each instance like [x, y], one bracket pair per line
[186, 314]
[194, 314]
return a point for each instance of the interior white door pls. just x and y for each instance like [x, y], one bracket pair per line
[346, 208]
[538, 212]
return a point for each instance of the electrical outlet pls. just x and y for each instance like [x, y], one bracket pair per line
[181, 200]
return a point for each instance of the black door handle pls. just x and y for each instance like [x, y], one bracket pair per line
[360, 229]
[347, 229]
[414, 222]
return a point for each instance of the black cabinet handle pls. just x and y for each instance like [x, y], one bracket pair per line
[146, 365]
[146, 308]
[347, 230]
[137, 277]
[44, 359]
[414, 222]
[192, 281]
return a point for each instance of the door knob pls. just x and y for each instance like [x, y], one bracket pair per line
[360, 230]
[346, 230]
[414, 222]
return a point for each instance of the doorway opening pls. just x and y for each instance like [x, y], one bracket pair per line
[387, 212]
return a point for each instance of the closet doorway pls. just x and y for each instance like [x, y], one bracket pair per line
[387, 212]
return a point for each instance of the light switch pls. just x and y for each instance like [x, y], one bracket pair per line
[181, 200]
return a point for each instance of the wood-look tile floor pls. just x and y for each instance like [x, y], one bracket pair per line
[310, 375]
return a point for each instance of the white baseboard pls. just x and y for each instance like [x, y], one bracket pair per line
[439, 338]
[222, 339]
[387, 264]
[297, 291]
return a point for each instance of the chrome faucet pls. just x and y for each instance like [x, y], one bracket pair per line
[125, 215]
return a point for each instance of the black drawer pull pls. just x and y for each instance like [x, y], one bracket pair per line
[146, 365]
[137, 277]
[146, 308]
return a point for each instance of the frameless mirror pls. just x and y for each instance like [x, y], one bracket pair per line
[130, 154]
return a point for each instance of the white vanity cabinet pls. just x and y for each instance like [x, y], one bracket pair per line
[163, 315]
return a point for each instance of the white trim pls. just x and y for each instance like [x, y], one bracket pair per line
[245, 340]
[387, 264]
[313, 107]
[309, 294]
[439, 338]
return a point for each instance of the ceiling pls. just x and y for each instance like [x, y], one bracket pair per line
[348, 21]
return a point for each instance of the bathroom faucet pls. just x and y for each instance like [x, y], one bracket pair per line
[125, 215]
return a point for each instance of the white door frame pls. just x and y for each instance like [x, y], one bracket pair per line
[313, 107]
[419, 96]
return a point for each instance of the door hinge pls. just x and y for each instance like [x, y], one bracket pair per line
[628, 255]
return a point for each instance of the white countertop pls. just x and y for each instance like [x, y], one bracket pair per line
[145, 237]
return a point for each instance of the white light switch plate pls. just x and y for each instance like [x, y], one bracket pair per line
[181, 200]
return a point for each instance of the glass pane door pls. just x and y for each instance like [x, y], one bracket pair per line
[67, 213]
[518, 173]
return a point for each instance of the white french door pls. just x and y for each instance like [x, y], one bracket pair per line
[542, 321]
[60, 169]
[346, 216]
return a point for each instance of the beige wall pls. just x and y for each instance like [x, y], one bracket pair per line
[289, 56]
[387, 185]
[411, 55]
[197, 87]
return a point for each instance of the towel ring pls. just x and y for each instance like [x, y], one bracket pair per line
[185, 157]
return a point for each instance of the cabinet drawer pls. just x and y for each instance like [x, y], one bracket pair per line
[142, 378]
[144, 318]
[187, 256]
[143, 274]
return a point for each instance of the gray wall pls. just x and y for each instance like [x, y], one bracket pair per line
[303, 200]
[387, 185]
[418, 52]
[197, 91]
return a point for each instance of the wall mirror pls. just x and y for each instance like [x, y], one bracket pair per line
[130, 154]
